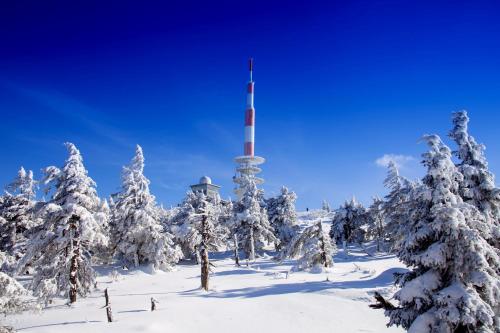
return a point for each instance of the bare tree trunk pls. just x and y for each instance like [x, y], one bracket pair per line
[251, 256]
[322, 242]
[205, 264]
[75, 255]
[109, 314]
[323, 251]
[204, 268]
[236, 251]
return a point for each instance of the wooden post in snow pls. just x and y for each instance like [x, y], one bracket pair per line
[153, 303]
[109, 313]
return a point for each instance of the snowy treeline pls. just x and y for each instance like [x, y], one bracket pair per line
[444, 227]
[58, 240]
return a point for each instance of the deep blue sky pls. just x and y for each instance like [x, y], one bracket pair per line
[338, 85]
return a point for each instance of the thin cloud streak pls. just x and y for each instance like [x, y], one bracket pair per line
[399, 160]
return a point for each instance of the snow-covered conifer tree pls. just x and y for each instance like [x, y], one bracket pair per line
[251, 224]
[347, 222]
[453, 284]
[17, 214]
[325, 206]
[395, 207]
[187, 225]
[376, 222]
[210, 236]
[138, 235]
[13, 296]
[313, 247]
[60, 249]
[478, 185]
[283, 217]
[103, 216]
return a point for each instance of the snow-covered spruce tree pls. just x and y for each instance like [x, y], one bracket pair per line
[138, 235]
[60, 249]
[478, 185]
[101, 253]
[453, 285]
[13, 297]
[395, 205]
[17, 214]
[226, 217]
[376, 222]
[251, 224]
[313, 247]
[187, 225]
[347, 222]
[210, 237]
[12, 300]
[325, 206]
[283, 217]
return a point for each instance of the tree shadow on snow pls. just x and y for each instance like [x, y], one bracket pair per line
[384, 279]
[358, 255]
[132, 311]
[59, 324]
[235, 272]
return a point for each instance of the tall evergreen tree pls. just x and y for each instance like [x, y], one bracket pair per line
[210, 237]
[312, 247]
[138, 235]
[251, 224]
[376, 222]
[395, 205]
[347, 222]
[101, 253]
[453, 285]
[17, 214]
[325, 206]
[60, 249]
[478, 185]
[187, 224]
[283, 217]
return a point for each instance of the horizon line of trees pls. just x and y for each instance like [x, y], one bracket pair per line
[445, 228]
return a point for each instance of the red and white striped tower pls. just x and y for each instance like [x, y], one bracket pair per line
[247, 164]
[250, 116]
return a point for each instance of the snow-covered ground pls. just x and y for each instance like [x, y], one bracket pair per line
[242, 299]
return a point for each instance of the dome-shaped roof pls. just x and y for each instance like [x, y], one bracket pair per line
[205, 180]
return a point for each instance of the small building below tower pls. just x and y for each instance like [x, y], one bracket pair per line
[206, 187]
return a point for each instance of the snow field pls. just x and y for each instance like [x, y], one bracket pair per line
[241, 299]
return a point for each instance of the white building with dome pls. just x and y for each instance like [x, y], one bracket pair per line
[206, 187]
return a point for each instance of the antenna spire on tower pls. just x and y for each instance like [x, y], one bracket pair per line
[250, 67]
